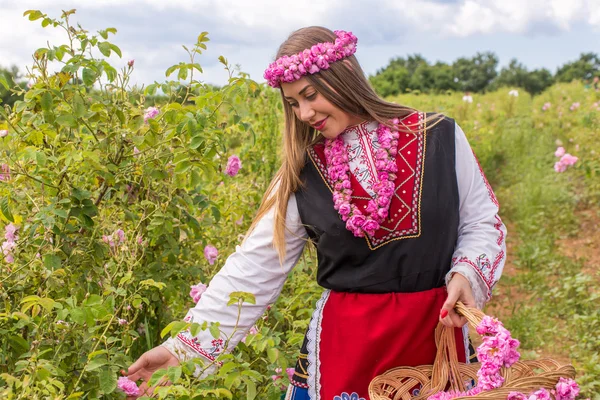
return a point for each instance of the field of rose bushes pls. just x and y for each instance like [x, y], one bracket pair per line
[114, 215]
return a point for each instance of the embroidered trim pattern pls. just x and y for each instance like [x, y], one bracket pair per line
[346, 396]
[487, 184]
[415, 176]
[314, 341]
[195, 344]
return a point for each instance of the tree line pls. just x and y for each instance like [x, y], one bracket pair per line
[477, 74]
[415, 73]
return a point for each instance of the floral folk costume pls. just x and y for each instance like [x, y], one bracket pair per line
[393, 212]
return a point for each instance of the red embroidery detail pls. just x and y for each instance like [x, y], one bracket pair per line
[298, 384]
[405, 208]
[197, 348]
[498, 226]
[487, 184]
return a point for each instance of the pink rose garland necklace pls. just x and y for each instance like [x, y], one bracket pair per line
[338, 171]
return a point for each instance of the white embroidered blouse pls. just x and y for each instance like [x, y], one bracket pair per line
[254, 267]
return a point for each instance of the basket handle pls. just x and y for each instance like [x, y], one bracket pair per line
[446, 367]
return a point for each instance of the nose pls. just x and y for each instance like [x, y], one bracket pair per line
[306, 112]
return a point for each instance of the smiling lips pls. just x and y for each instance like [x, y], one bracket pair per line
[320, 125]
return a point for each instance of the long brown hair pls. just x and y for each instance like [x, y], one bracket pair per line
[344, 84]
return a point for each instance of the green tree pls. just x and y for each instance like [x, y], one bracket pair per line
[475, 74]
[585, 68]
[443, 77]
[517, 75]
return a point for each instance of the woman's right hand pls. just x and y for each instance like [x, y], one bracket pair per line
[150, 362]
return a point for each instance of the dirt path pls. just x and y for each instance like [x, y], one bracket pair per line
[586, 245]
[509, 297]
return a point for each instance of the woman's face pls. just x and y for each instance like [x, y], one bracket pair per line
[312, 108]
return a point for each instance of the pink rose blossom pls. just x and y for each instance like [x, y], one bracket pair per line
[10, 230]
[568, 159]
[150, 113]
[128, 386]
[5, 172]
[211, 253]
[566, 389]
[560, 151]
[541, 394]
[196, 291]
[3, 133]
[290, 372]
[560, 167]
[516, 396]
[233, 165]
[121, 235]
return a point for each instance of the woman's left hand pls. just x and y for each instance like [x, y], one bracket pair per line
[459, 289]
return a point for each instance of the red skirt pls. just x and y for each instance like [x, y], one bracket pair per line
[354, 337]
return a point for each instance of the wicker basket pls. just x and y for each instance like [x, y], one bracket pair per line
[447, 373]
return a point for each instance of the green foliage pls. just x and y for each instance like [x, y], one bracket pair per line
[113, 210]
[477, 74]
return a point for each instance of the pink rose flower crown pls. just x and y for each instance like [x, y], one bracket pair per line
[310, 61]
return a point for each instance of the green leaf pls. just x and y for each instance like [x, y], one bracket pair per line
[5, 210]
[108, 381]
[78, 106]
[244, 297]
[46, 102]
[104, 48]
[33, 14]
[89, 76]
[183, 73]
[173, 328]
[214, 330]
[170, 70]
[151, 282]
[196, 142]
[157, 377]
[174, 373]
[41, 158]
[250, 390]
[52, 261]
[96, 363]
[116, 49]
[272, 354]
[67, 120]
[3, 81]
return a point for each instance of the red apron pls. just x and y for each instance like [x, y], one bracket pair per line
[354, 337]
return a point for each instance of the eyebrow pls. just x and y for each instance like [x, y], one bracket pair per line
[300, 92]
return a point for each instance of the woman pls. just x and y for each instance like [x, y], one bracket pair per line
[402, 217]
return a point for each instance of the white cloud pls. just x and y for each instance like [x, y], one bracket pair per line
[249, 32]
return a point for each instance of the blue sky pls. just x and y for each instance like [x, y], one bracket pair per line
[538, 33]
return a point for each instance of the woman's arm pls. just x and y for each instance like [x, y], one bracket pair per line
[255, 268]
[480, 250]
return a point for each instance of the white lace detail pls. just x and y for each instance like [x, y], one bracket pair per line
[360, 154]
[314, 338]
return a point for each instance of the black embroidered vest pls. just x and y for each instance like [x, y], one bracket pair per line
[412, 250]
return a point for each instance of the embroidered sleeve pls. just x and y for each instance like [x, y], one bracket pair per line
[480, 249]
[254, 267]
